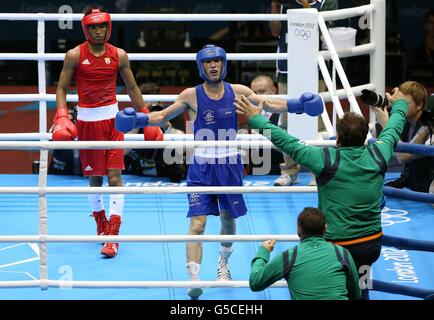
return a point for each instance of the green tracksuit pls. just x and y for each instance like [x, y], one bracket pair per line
[316, 274]
[350, 179]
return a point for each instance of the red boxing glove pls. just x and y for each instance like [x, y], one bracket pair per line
[153, 134]
[144, 110]
[63, 128]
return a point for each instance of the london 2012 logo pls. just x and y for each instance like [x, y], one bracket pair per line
[389, 217]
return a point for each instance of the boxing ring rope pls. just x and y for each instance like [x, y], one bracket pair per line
[409, 194]
[375, 49]
[160, 97]
[153, 239]
[155, 190]
[344, 53]
[44, 284]
[61, 145]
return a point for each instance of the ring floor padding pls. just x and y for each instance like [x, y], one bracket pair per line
[166, 214]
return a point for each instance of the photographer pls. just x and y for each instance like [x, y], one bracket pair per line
[418, 170]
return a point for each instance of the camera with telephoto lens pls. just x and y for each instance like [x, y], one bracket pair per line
[374, 99]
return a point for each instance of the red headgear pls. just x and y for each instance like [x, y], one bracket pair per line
[96, 17]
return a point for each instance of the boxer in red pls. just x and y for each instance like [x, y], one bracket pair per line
[94, 65]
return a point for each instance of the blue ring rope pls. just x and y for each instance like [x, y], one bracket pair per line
[412, 148]
[407, 244]
[409, 194]
[427, 294]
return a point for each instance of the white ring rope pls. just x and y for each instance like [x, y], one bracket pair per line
[161, 97]
[128, 137]
[328, 16]
[148, 238]
[58, 145]
[156, 190]
[131, 284]
[131, 142]
[344, 53]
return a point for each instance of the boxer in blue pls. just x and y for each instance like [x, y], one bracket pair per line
[211, 109]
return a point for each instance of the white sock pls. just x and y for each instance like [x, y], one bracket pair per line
[116, 204]
[225, 252]
[96, 202]
[193, 270]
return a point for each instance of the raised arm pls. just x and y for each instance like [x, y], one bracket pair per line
[129, 119]
[182, 102]
[308, 102]
[309, 156]
[269, 105]
[390, 135]
[264, 272]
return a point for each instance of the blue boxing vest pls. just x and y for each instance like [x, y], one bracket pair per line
[215, 120]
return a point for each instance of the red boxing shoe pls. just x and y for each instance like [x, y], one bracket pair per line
[110, 249]
[102, 223]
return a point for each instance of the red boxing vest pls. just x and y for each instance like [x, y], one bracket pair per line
[95, 77]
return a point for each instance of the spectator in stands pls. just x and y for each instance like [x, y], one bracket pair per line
[264, 85]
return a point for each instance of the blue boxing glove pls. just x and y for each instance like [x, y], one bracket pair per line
[128, 119]
[308, 103]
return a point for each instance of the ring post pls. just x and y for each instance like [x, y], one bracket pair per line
[303, 47]
[377, 64]
[43, 163]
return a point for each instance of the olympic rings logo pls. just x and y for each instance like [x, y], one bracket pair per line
[194, 197]
[390, 217]
[302, 33]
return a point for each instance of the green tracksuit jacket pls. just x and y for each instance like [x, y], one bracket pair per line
[316, 274]
[350, 180]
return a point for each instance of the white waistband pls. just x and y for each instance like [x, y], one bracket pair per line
[98, 113]
[216, 152]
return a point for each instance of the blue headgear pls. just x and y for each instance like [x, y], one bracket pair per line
[208, 52]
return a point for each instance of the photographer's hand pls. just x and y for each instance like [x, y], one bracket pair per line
[381, 114]
[396, 96]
